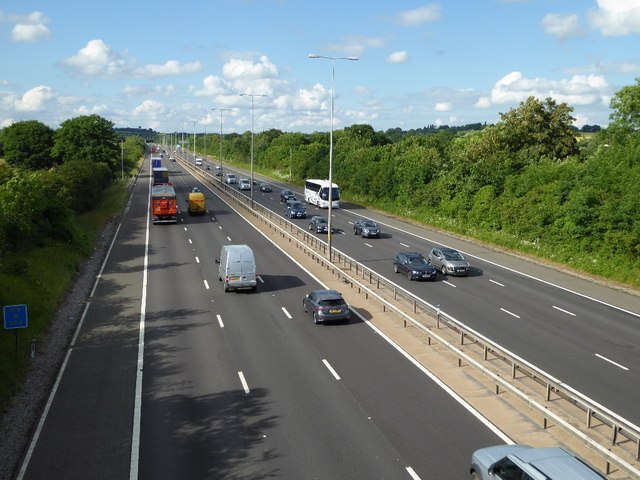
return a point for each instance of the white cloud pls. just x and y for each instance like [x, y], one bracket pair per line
[97, 59]
[578, 90]
[28, 28]
[419, 16]
[356, 44]
[212, 86]
[170, 67]
[148, 108]
[34, 100]
[616, 17]
[30, 33]
[236, 69]
[92, 110]
[443, 107]
[562, 27]
[398, 57]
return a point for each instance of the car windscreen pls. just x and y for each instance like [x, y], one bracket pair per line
[454, 256]
[417, 261]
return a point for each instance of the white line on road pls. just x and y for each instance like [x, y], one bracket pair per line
[370, 246]
[229, 238]
[206, 284]
[244, 382]
[220, 321]
[412, 473]
[185, 229]
[449, 283]
[197, 260]
[611, 362]
[260, 278]
[190, 241]
[404, 245]
[333, 372]
[287, 313]
[510, 313]
[564, 311]
[497, 283]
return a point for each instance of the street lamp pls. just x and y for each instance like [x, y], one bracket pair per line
[221, 110]
[333, 76]
[252, 95]
[194, 142]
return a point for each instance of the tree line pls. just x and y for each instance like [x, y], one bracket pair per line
[48, 177]
[530, 182]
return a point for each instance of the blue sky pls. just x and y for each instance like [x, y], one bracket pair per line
[166, 65]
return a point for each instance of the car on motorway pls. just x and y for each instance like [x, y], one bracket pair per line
[231, 178]
[366, 228]
[287, 194]
[295, 209]
[171, 159]
[326, 306]
[414, 266]
[319, 224]
[448, 261]
[522, 462]
[266, 188]
[218, 171]
[244, 184]
[198, 162]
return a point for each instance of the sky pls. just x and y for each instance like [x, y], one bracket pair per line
[234, 65]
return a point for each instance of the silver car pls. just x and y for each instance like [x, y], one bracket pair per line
[509, 462]
[448, 261]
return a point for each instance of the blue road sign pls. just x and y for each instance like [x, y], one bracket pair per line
[15, 316]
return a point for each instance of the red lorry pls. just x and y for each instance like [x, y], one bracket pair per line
[163, 204]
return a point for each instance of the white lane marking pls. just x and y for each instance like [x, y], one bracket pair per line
[449, 283]
[412, 473]
[404, 245]
[611, 362]
[287, 313]
[206, 284]
[333, 372]
[197, 260]
[220, 227]
[185, 229]
[229, 238]
[84, 314]
[510, 313]
[368, 245]
[190, 241]
[497, 283]
[220, 321]
[564, 311]
[260, 278]
[244, 382]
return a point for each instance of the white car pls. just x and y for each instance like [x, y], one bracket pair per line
[245, 184]
[198, 162]
[231, 178]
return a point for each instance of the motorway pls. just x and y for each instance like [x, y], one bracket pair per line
[585, 335]
[170, 377]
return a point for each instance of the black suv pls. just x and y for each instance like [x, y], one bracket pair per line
[287, 195]
[295, 209]
[414, 265]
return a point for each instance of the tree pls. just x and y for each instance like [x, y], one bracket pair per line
[541, 129]
[626, 106]
[28, 145]
[88, 138]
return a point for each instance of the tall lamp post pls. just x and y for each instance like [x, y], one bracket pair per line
[252, 95]
[220, 155]
[333, 76]
[194, 142]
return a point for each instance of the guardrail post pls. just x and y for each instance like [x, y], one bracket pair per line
[438, 316]
[514, 367]
[614, 438]
[548, 392]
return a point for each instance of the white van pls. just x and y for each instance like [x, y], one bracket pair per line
[237, 267]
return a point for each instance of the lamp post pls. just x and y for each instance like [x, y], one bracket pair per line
[194, 142]
[333, 76]
[184, 127]
[220, 155]
[252, 95]
[122, 159]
